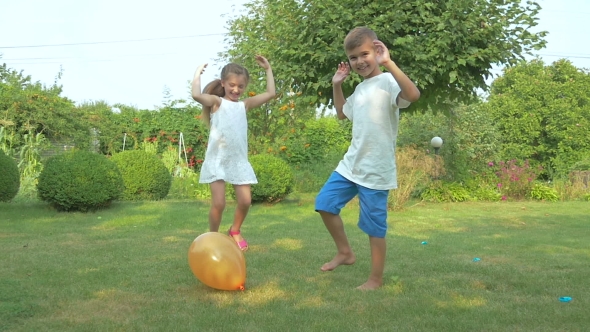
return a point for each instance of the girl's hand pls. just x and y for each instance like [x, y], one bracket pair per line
[262, 62]
[382, 52]
[200, 70]
[342, 73]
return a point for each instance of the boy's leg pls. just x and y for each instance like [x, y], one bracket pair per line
[344, 255]
[217, 204]
[336, 192]
[244, 200]
[373, 221]
[378, 251]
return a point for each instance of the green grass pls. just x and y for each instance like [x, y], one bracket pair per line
[126, 269]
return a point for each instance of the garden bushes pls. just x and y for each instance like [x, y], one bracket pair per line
[79, 181]
[9, 178]
[415, 169]
[275, 178]
[145, 177]
[580, 173]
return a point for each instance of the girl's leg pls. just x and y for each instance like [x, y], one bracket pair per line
[217, 205]
[244, 200]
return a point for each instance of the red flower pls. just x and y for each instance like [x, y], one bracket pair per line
[191, 162]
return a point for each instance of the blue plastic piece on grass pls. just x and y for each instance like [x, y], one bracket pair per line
[476, 259]
[424, 242]
[565, 299]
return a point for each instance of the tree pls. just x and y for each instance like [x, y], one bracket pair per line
[447, 47]
[100, 116]
[543, 114]
[28, 107]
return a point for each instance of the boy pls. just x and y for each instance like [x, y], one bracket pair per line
[368, 167]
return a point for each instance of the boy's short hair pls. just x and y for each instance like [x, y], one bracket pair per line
[357, 36]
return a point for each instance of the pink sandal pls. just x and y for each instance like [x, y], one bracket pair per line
[243, 245]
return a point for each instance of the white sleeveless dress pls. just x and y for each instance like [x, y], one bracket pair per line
[227, 150]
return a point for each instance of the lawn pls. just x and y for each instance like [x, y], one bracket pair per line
[125, 269]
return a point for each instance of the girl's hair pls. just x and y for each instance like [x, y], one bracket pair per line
[215, 88]
[357, 36]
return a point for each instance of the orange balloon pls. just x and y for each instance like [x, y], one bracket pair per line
[217, 261]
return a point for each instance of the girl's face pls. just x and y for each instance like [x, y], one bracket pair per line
[234, 85]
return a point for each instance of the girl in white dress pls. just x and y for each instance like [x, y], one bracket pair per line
[226, 159]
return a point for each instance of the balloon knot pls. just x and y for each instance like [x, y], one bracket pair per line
[242, 287]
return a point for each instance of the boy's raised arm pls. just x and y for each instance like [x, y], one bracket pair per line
[409, 91]
[339, 100]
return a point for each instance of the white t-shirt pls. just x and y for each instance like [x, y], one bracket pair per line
[374, 112]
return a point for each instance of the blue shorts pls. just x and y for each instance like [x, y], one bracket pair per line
[338, 191]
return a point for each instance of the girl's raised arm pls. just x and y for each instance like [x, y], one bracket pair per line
[204, 99]
[270, 92]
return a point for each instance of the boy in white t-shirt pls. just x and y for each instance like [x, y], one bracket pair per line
[368, 167]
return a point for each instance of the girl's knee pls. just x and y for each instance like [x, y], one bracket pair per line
[244, 202]
[218, 204]
[243, 197]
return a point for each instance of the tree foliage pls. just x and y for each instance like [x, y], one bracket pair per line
[28, 107]
[118, 124]
[543, 114]
[470, 137]
[447, 47]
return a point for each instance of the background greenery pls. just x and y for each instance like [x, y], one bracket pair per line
[535, 114]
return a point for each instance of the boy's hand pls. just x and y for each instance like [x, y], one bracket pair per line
[262, 62]
[200, 70]
[342, 73]
[382, 52]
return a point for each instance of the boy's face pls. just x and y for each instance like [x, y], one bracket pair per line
[363, 60]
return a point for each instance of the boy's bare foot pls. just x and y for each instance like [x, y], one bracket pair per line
[339, 259]
[370, 285]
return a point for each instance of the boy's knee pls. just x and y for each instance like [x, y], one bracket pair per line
[326, 214]
[373, 223]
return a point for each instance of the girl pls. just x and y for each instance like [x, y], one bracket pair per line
[226, 159]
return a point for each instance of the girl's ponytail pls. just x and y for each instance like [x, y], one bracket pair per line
[213, 88]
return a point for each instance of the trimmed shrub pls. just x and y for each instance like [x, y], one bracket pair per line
[79, 181]
[9, 178]
[144, 175]
[275, 178]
